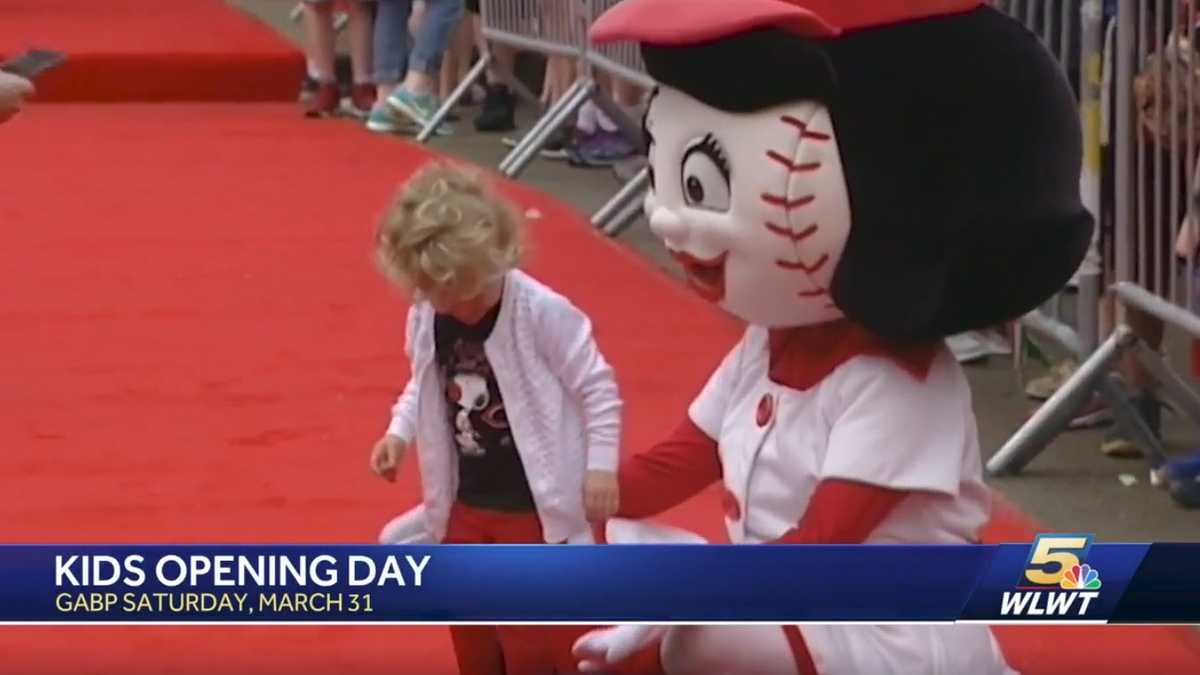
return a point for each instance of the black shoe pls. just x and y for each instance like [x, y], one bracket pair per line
[558, 145]
[1117, 444]
[308, 89]
[497, 112]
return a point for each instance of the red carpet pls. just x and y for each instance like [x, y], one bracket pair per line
[152, 50]
[200, 351]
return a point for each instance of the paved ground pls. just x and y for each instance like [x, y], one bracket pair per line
[1071, 487]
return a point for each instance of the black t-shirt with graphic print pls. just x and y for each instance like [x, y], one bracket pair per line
[490, 473]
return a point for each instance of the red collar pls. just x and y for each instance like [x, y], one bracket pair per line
[804, 355]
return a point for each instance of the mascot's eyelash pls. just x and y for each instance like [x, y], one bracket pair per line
[709, 146]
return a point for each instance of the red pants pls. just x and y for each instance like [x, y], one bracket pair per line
[507, 650]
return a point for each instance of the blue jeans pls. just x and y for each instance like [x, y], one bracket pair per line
[396, 52]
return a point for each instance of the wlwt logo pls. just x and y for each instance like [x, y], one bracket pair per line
[1056, 582]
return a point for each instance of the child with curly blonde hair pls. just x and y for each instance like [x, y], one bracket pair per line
[515, 412]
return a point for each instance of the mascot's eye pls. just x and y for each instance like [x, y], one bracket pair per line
[705, 175]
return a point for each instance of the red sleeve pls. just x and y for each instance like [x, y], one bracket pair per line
[669, 473]
[843, 512]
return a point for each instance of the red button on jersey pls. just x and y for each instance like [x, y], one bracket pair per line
[766, 408]
[729, 502]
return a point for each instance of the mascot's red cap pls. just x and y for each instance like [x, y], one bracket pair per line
[670, 23]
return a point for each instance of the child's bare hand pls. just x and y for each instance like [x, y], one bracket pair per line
[600, 495]
[386, 457]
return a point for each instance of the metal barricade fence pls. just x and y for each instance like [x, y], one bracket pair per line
[1156, 97]
[550, 27]
[624, 61]
[559, 28]
[572, 43]
[1052, 20]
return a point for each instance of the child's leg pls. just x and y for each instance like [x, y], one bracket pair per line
[449, 65]
[458, 57]
[361, 37]
[319, 37]
[432, 41]
[503, 66]
[626, 93]
[466, 47]
[417, 16]
[392, 44]
[532, 650]
[476, 648]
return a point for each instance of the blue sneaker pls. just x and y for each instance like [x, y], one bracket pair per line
[383, 120]
[419, 108]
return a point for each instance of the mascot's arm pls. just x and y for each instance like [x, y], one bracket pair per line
[669, 473]
[877, 456]
[843, 512]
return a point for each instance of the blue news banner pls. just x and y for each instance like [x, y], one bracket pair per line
[1056, 578]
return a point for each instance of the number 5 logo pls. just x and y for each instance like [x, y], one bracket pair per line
[1053, 554]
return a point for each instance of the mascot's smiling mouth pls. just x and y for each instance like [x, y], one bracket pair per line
[706, 277]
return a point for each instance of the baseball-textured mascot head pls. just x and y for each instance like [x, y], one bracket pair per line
[912, 166]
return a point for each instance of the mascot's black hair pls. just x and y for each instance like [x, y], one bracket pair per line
[961, 146]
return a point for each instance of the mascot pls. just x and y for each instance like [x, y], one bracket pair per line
[856, 180]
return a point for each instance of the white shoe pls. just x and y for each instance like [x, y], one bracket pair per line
[996, 344]
[967, 347]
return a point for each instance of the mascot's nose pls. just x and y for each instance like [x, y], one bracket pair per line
[667, 225]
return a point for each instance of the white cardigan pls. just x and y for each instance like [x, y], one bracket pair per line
[559, 393]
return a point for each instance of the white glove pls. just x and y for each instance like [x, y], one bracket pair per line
[600, 649]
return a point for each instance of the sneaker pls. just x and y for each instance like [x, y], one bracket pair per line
[976, 345]
[420, 108]
[360, 102]
[475, 95]
[1117, 444]
[995, 342]
[1183, 479]
[600, 150]
[325, 102]
[967, 347]
[555, 147]
[498, 110]
[308, 89]
[384, 120]
[1043, 387]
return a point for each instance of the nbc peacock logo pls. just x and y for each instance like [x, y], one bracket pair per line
[1080, 577]
[1056, 580]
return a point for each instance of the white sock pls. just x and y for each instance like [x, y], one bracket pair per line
[587, 119]
[604, 121]
[312, 69]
